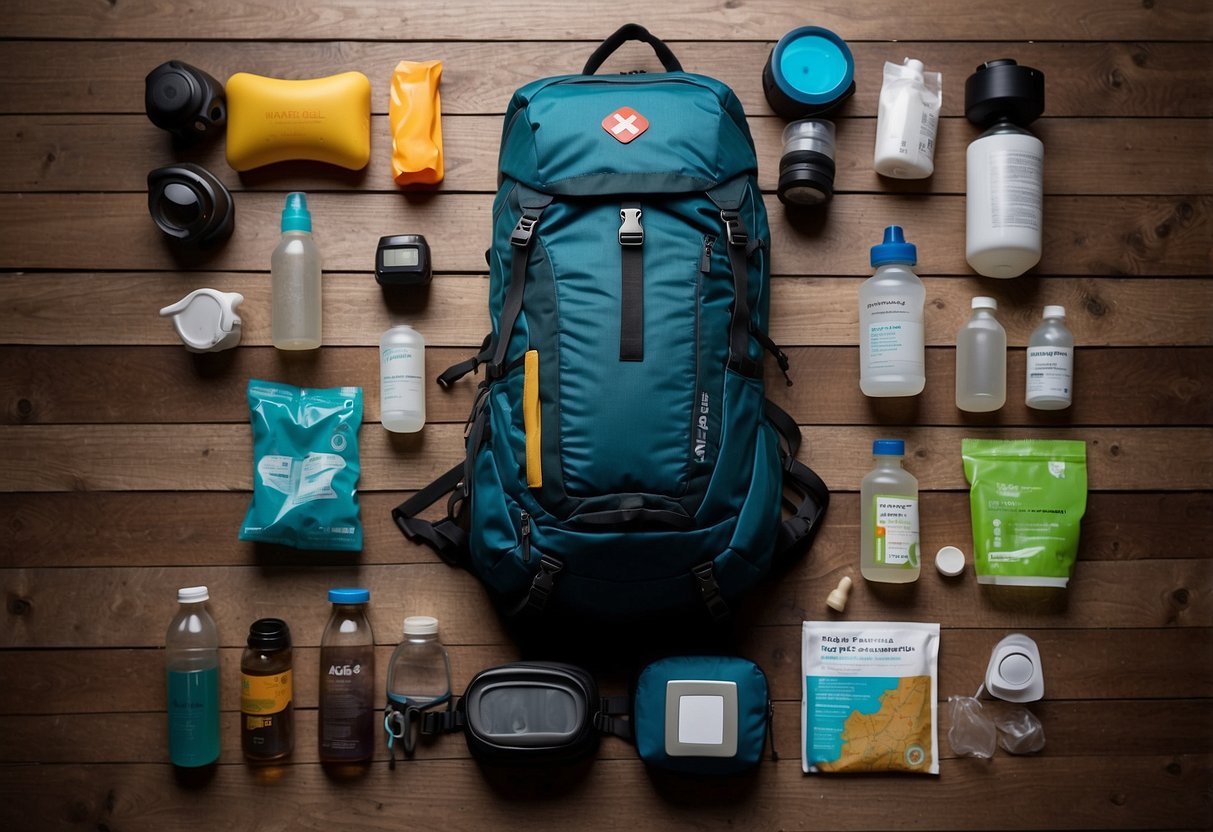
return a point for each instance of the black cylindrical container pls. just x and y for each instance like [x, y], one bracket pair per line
[184, 100]
[1003, 89]
[806, 169]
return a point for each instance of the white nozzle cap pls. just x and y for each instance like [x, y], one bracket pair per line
[420, 625]
[950, 561]
[206, 319]
[984, 303]
[1054, 312]
[837, 599]
[1014, 673]
[192, 595]
[912, 67]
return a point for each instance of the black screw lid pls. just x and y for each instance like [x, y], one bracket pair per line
[1004, 89]
[269, 634]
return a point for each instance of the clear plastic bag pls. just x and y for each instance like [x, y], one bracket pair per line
[1019, 730]
[972, 733]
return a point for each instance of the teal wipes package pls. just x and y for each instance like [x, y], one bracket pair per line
[869, 697]
[305, 467]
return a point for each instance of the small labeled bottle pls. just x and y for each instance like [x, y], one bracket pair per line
[891, 359]
[907, 120]
[888, 499]
[267, 715]
[295, 280]
[418, 678]
[981, 360]
[1004, 169]
[192, 677]
[347, 680]
[402, 380]
[1050, 360]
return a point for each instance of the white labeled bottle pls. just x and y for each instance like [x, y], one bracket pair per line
[295, 280]
[418, 678]
[402, 380]
[1050, 363]
[192, 681]
[891, 361]
[981, 360]
[888, 523]
[1004, 204]
[907, 121]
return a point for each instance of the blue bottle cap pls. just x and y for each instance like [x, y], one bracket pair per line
[889, 447]
[295, 216]
[894, 249]
[349, 596]
[813, 67]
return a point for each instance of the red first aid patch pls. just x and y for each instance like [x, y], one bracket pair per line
[625, 124]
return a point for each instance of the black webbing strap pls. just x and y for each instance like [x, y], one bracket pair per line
[738, 248]
[781, 357]
[799, 478]
[445, 536]
[608, 719]
[631, 31]
[544, 583]
[631, 296]
[442, 722]
[709, 590]
[533, 204]
[455, 372]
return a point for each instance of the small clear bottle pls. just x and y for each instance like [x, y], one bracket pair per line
[1050, 363]
[981, 360]
[267, 716]
[891, 356]
[888, 501]
[418, 678]
[192, 680]
[295, 280]
[402, 380]
[347, 680]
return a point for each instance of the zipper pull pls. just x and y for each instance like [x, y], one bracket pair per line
[705, 262]
[526, 537]
[771, 730]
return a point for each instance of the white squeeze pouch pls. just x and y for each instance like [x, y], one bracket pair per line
[869, 697]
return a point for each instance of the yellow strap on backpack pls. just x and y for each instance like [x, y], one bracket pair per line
[531, 420]
[415, 113]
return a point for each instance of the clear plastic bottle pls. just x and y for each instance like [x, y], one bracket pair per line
[888, 501]
[907, 120]
[402, 380]
[891, 361]
[1050, 363]
[295, 280]
[192, 679]
[267, 715]
[347, 680]
[981, 360]
[418, 678]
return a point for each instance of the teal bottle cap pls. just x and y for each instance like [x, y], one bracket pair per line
[349, 596]
[295, 216]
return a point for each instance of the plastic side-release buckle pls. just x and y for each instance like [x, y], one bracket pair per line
[631, 232]
[521, 235]
[543, 584]
[734, 231]
[705, 575]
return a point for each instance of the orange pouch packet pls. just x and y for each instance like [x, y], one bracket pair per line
[415, 114]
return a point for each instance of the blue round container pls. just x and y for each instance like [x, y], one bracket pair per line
[809, 72]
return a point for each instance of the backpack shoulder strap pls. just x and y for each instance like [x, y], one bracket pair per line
[446, 536]
[798, 531]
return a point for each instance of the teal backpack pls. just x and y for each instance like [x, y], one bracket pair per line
[622, 459]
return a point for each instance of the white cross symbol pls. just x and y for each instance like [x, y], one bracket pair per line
[628, 124]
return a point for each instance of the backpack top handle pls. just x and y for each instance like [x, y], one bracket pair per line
[626, 32]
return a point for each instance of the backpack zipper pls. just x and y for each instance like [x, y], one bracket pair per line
[705, 262]
[525, 521]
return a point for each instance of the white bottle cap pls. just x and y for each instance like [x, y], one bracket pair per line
[837, 599]
[1014, 673]
[984, 303]
[420, 625]
[1054, 312]
[950, 561]
[912, 68]
[206, 319]
[192, 595]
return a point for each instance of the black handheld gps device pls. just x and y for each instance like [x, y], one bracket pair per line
[402, 260]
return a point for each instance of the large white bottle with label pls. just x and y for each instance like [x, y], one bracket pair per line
[1050, 373]
[891, 359]
[888, 508]
[402, 380]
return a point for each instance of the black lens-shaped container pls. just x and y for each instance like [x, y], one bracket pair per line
[184, 100]
[189, 204]
[1003, 89]
[806, 169]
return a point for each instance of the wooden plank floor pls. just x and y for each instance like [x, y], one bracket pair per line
[126, 461]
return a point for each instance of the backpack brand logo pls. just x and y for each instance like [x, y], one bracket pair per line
[625, 124]
[701, 427]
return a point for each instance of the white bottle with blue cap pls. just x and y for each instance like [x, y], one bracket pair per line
[891, 359]
[888, 517]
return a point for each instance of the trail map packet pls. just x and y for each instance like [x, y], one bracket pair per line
[869, 697]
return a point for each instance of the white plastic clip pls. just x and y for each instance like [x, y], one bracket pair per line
[206, 319]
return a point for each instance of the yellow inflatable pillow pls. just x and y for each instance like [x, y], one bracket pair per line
[322, 119]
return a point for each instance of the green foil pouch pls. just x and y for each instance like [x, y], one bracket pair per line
[1027, 498]
[305, 467]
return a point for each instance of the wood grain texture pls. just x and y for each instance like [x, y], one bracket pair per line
[61, 309]
[1168, 791]
[141, 528]
[1087, 235]
[114, 153]
[384, 20]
